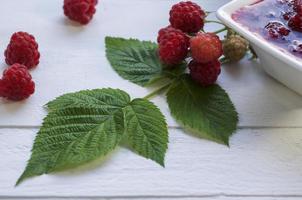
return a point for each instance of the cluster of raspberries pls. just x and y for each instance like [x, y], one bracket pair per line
[21, 54]
[183, 37]
[81, 11]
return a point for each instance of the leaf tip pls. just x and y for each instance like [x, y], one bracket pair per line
[226, 142]
[20, 180]
[161, 163]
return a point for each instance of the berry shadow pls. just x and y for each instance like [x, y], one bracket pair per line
[238, 69]
[12, 106]
[71, 25]
[232, 69]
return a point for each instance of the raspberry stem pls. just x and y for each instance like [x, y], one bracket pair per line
[221, 30]
[214, 21]
[158, 91]
[224, 60]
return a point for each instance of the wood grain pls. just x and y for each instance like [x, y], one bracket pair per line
[260, 161]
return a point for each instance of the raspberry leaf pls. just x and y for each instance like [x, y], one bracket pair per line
[137, 61]
[147, 132]
[107, 99]
[206, 111]
[87, 125]
[133, 60]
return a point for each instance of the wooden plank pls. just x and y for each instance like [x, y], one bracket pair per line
[73, 58]
[263, 162]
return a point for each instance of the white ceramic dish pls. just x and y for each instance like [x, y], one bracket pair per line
[281, 65]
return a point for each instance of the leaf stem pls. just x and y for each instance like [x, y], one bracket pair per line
[220, 30]
[209, 12]
[214, 21]
[157, 91]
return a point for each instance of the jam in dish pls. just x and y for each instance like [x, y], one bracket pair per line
[277, 21]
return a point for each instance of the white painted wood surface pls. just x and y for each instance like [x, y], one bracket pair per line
[214, 197]
[263, 163]
[260, 161]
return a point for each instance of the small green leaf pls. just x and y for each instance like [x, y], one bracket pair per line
[146, 130]
[89, 124]
[138, 61]
[134, 60]
[206, 111]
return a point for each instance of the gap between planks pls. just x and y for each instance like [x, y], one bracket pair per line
[214, 196]
[172, 127]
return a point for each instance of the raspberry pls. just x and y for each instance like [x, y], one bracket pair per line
[298, 6]
[287, 15]
[276, 30]
[205, 47]
[205, 73]
[81, 11]
[22, 49]
[173, 45]
[164, 32]
[295, 23]
[235, 47]
[16, 83]
[187, 16]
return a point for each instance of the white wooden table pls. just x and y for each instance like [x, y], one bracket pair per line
[263, 163]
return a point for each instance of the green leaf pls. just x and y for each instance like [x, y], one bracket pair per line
[82, 127]
[134, 60]
[87, 125]
[146, 130]
[206, 111]
[106, 99]
[138, 61]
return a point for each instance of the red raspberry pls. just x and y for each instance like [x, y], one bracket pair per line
[16, 83]
[276, 30]
[187, 16]
[206, 47]
[22, 49]
[205, 73]
[298, 6]
[287, 15]
[173, 45]
[295, 23]
[81, 11]
[165, 32]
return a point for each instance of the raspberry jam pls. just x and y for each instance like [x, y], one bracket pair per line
[277, 21]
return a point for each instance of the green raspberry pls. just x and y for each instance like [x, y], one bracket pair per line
[235, 47]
